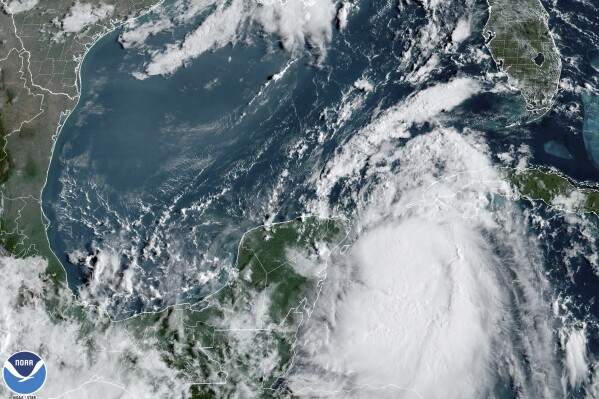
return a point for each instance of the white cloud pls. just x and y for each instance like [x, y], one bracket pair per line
[342, 15]
[576, 366]
[187, 10]
[82, 15]
[18, 6]
[363, 84]
[420, 306]
[295, 23]
[461, 31]
[217, 30]
[570, 202]
[427, 42]
[394, 123]
[423, 73]
[137, 35]
[83, 361]
[420, 310]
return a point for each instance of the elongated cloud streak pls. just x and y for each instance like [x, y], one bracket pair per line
[295, 23]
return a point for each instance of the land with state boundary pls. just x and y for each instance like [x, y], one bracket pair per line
[520, 42]
[41, 52]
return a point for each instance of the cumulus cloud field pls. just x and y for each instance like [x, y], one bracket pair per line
[297, 24]
[420, 306]
[441, 292]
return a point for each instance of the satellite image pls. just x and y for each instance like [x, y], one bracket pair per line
[205, 199]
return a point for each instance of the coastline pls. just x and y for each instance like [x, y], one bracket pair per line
[532, 112]
[64, 117]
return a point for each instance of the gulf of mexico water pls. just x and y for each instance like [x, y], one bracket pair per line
[154, 181]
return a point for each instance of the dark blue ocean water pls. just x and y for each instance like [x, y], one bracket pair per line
[160, 178]
[153, 182]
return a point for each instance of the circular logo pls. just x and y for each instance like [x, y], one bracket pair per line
[24, 373]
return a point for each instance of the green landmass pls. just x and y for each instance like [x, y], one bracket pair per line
[246, 332]
[243, 334]
[518, 37]
[39, 66]
[554, 190]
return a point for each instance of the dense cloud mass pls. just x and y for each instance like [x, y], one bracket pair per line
[422, 295]
[296, 23]
[81, 15]
[441, 289]
[84, 361]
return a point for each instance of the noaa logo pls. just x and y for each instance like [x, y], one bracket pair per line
[24, 373]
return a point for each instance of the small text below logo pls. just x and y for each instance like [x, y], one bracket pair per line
[24, 373]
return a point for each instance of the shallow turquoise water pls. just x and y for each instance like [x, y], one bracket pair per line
[155, 181]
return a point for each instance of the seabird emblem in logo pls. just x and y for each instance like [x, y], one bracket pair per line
[24, 373]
